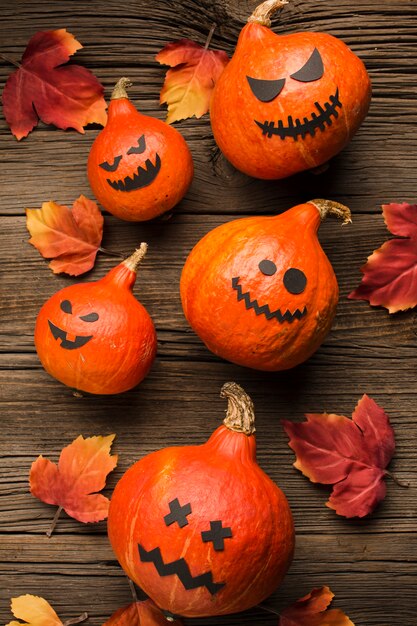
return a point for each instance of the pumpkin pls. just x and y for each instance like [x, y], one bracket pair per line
[97, 337]
[138, 166]
[260, 291]
[202, 529]
[287, 103]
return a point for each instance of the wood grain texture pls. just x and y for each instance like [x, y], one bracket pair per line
[370, 564]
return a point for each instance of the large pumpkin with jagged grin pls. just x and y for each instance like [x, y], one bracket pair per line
[138, 166]
[260, 291]
[202, 529]
[287, 103]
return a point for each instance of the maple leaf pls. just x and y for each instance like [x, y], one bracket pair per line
[71, 238]
[390, 273]
[73, 484]
[67, 96]
[350, 454]
[311, 611]
[189, 85]
[144, 613]
[36, 611]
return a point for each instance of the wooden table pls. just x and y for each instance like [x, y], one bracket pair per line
[370, 564]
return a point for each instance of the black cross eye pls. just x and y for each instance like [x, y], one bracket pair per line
[266, 90]
[312, 70]
[267, 267]
[217, 534]
[141, 147]
[66, 306]
[295, 281]
[91, 317]
[177, 513]
[111, 167]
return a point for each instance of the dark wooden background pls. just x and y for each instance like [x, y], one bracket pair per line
[370, 564]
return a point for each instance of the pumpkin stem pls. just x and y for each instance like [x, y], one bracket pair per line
[240, 415]
[133, 261]
[119, 90]
[328, 207]
[263, 13]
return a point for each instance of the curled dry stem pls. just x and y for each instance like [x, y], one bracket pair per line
[133, 261]
[240, 415]
[263, 13]
[329, 207]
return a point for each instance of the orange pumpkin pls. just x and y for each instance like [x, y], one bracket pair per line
[97, 337]
[260, 291]
[287, 103]
[202, 529]
[138, 166]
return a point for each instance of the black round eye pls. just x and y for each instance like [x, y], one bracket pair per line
[295, 281]
[267, 267]
[66, 306]
[91, 317]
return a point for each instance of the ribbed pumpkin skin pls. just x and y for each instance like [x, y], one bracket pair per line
[123, 344]
[222, 481]
[124, 128]
[262, 54]
[235, 249]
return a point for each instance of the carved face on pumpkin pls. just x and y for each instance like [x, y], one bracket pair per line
[141, 172]
[300, 99]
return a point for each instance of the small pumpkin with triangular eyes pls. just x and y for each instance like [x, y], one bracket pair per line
[260, 291]
[287, 103]
[138, 166]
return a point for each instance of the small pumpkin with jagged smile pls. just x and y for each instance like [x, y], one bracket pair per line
[138, 166]
[287, 103]
[260, 291]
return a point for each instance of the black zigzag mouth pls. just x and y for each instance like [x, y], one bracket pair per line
[68, 344]
[181, 569]
[287, 316]
[297, 128]
[143, 177]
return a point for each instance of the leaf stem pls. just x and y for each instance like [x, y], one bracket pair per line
[76, 620]
[133, 590]
[54, 522]
[210, 35]
[405, 485]
[111, 253]
[9, 60]
[267, 609]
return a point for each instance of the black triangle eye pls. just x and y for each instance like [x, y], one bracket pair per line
[141, 147]
[312, 70]
[266, 90]
[111, 167]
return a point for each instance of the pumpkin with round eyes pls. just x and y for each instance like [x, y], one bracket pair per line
[138, 166]
[182, 519]
[260, 291]
[287, 103]
[97, 337]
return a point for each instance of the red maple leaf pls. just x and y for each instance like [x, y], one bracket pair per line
[390, 274]
[189, 84]
[143, 613]
[67, 96]
[311, 610]
[350, 454]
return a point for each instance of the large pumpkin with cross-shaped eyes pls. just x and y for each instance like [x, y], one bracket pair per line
[260, 291]
[202, 529]
[96, 336]
[138, 166]
[287, 103]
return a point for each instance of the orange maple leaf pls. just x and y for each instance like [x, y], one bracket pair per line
[36, 611]
[189, 85]
[68, 96]
[311, 611]
[144, 613]
[71, 237]
[73, 484]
